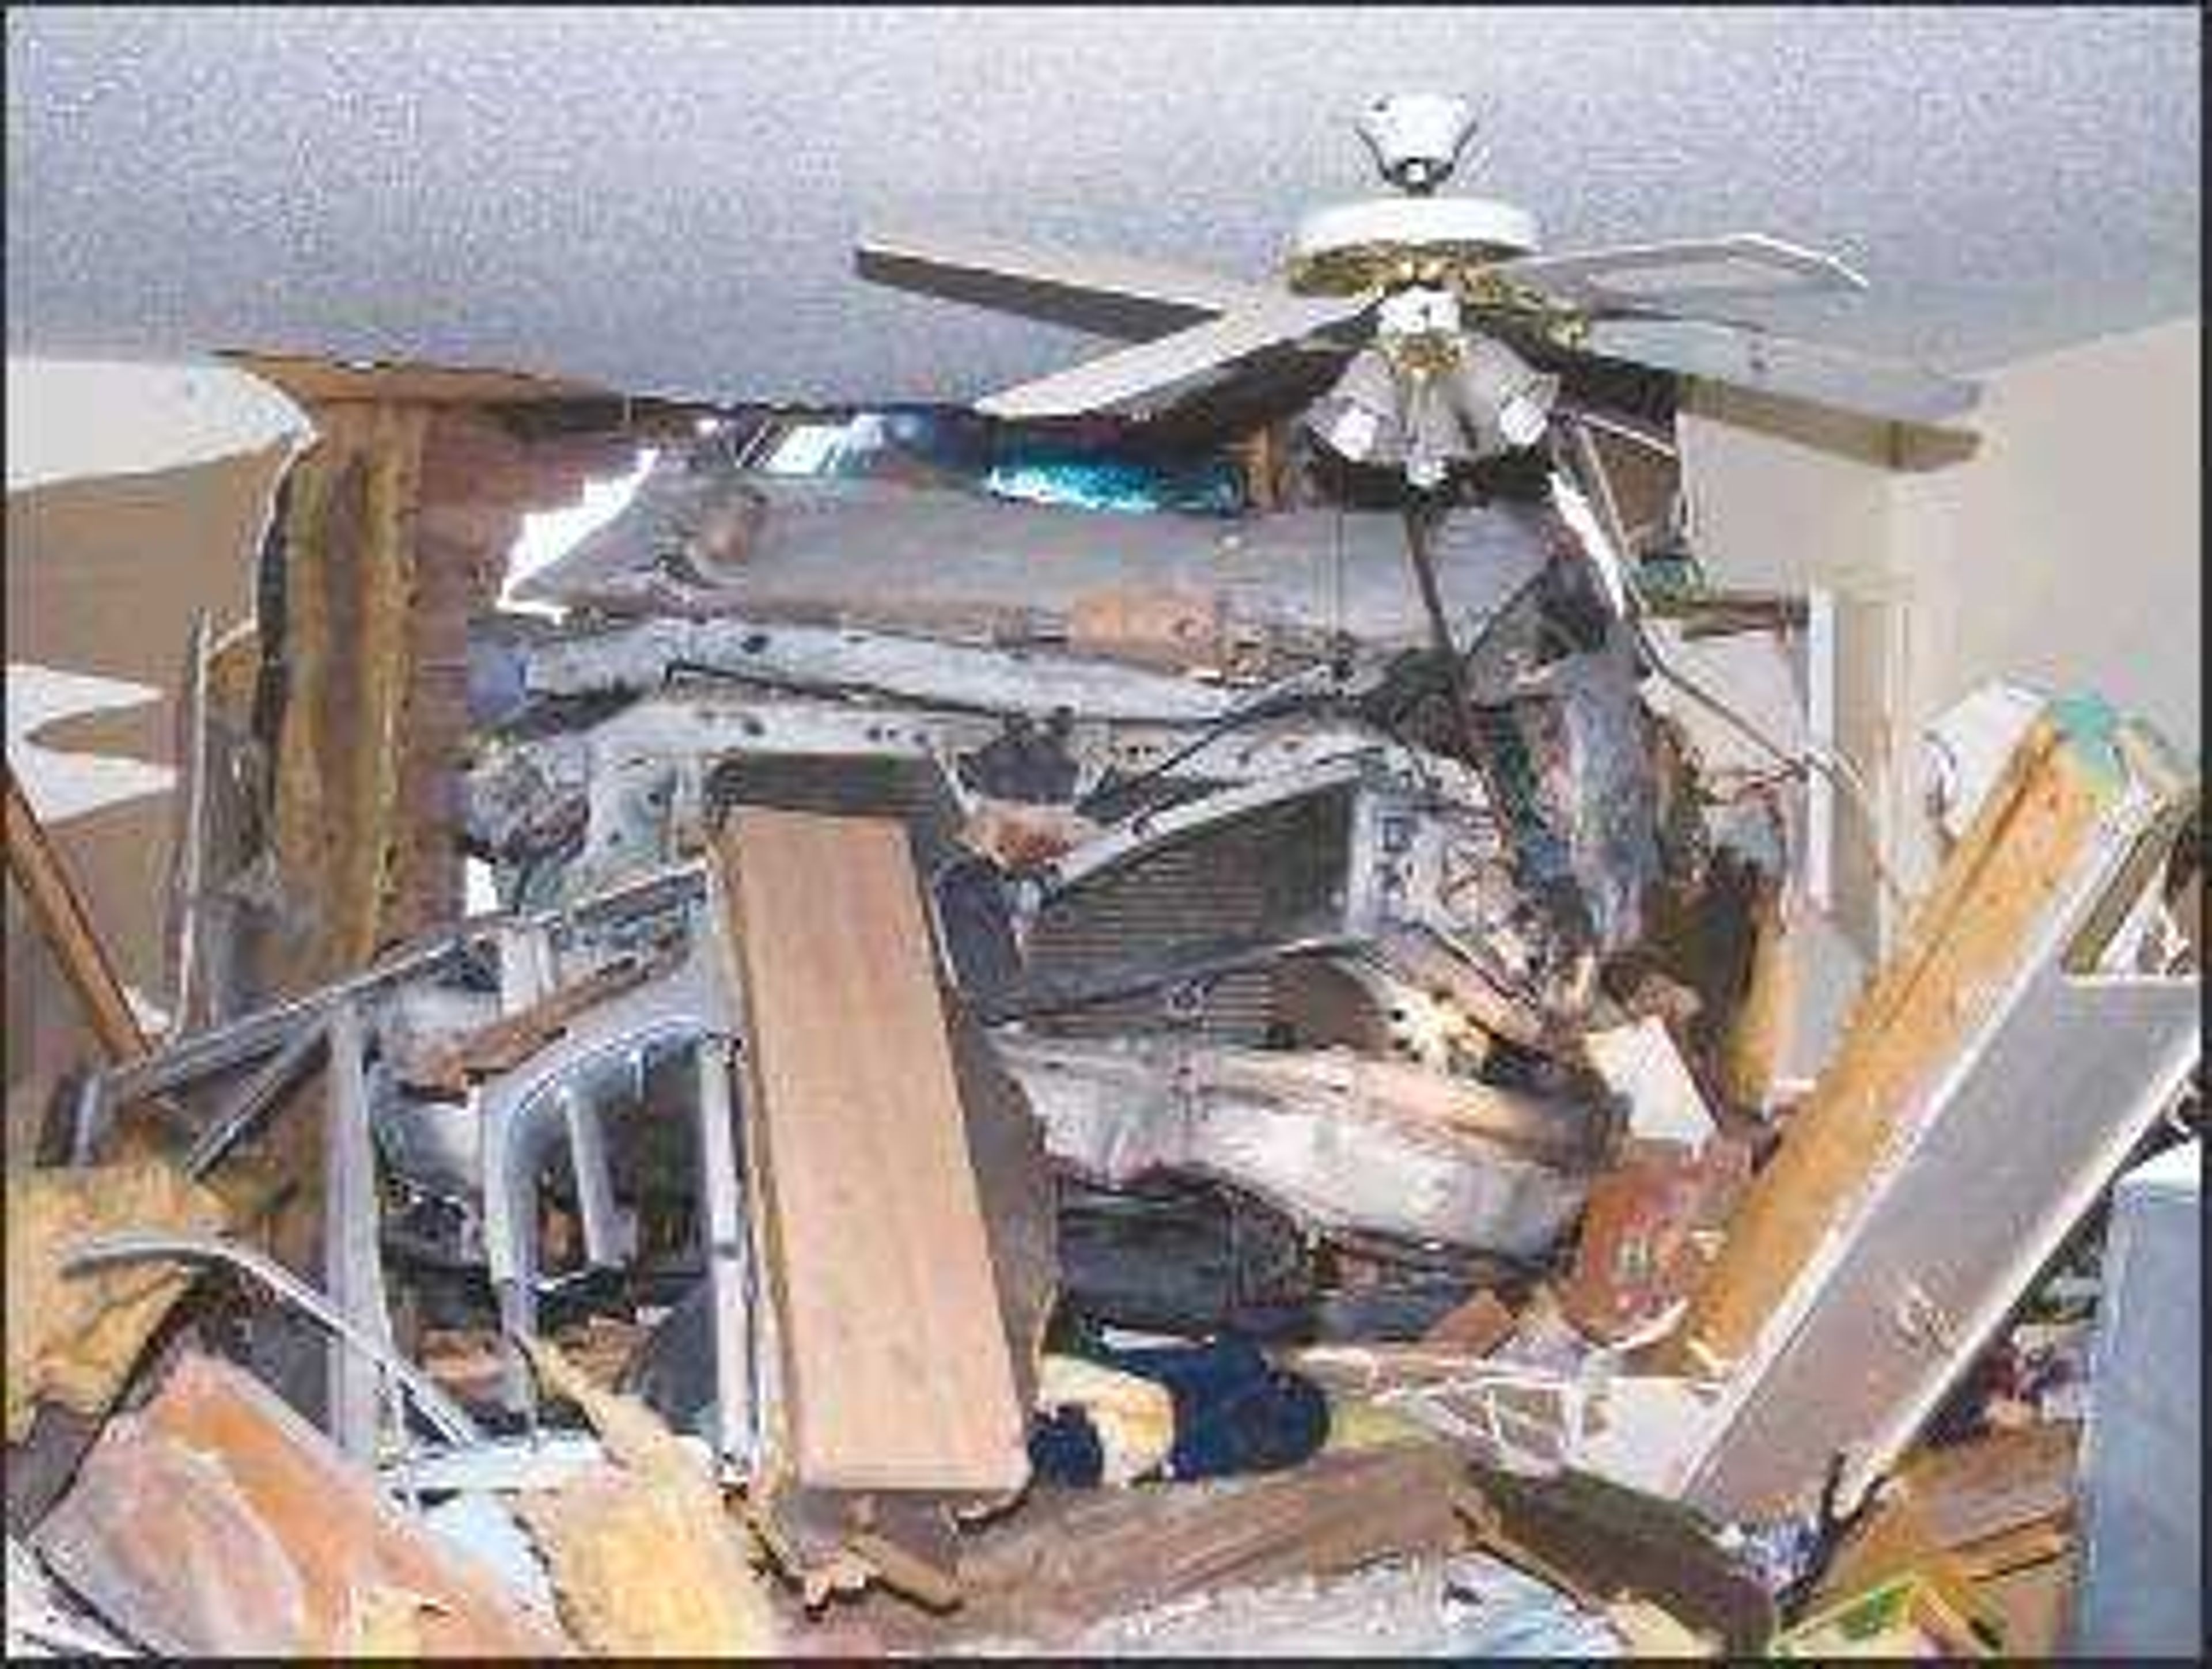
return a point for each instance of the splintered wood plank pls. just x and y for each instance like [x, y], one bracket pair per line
[896, 1370]
[38, 870]
[217, 1522]
[1072, 1559]
[1963, 944]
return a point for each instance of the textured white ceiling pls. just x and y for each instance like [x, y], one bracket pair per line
[665, 202]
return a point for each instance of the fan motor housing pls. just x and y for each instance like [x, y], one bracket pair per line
[1350, 248]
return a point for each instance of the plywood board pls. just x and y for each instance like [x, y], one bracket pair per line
[896, 1374]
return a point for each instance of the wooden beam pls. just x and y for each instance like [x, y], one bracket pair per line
[314, 381]
[1958, 953]
[46, 887]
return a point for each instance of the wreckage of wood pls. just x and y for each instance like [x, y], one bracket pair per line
[39, 870]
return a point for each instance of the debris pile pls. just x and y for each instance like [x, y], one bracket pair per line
[1058, 1066]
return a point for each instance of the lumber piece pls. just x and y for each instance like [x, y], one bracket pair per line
[1947, 976]
[1600, 1541]
[896, 1373]
[1977, 1154]
[1955, 1515]
[1065, 1560]
[46, 887]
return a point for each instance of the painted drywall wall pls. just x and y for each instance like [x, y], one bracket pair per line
[2063, 551]
[2066, 553]
[1785, 496]
[69, 417]
[137, 495]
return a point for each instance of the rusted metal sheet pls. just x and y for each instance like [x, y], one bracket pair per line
[73, 1341]
[1644, 1232]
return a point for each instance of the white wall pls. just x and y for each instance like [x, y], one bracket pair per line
[1784, 497]
[2067, 551]
[2063, 552]
[138, 492]
[68, 418]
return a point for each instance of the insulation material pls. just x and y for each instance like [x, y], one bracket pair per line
[647, 1560]
[384, 1623]
[73, 1339]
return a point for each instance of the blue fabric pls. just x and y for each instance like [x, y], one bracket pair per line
[1233, 1413]
[1064, 1448]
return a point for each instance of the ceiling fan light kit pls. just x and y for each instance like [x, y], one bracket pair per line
[1438, 287]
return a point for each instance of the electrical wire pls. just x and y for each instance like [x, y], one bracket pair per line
[1834, 764]
[1831, 761]
[1279, 700]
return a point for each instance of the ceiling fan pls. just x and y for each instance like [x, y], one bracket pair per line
[1422, 296]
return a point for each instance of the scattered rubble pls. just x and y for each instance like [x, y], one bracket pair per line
[1036, 1081]
[644, 1559]
[216, 1522]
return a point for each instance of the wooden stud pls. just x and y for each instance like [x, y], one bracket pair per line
[46, 887]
